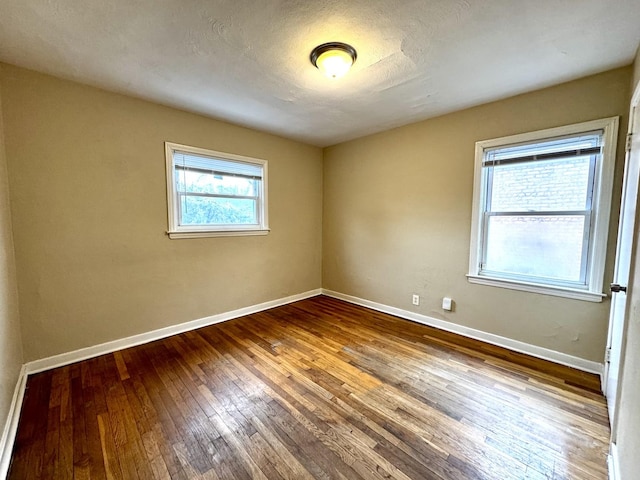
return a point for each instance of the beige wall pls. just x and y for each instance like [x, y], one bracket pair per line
[627, 436]
[397, 217]
[10, 339]
[88, 198]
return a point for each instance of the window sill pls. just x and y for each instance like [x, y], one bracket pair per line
[218, 233]
[537, 288]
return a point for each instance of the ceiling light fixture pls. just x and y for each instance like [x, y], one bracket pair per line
[334, 59]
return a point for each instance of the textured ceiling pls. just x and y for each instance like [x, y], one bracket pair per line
[247, 62]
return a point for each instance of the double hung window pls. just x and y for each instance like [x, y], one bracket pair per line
[212, 193]
[541, 210]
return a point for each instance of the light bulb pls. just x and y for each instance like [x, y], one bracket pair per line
[334, 63]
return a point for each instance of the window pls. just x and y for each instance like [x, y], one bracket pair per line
[541, 207]
[214, 194]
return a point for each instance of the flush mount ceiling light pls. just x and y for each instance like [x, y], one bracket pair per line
[334, 59]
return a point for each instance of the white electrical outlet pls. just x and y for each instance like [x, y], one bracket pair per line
[416, 299]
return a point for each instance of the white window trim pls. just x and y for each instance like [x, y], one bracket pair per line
[176, 231]
[601, 202]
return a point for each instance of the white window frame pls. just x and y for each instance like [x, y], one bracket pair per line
[196, 231]
[603, 187]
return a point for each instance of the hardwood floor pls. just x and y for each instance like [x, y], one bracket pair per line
[316, 389]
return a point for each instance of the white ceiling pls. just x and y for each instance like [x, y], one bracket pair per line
[247, 61]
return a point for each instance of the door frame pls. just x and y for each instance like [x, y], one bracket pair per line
[634, 106]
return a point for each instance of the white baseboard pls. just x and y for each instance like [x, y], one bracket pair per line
[515, 345]
[115, 345]
[613, 464]
[11, 426]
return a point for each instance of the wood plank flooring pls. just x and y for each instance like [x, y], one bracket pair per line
[316, 389]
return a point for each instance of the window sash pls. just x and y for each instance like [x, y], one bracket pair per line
[488, 166]
[582, 282]
[488, 174]
[184, 194]
[256, 204]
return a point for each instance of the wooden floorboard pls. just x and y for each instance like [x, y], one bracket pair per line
[318, 389]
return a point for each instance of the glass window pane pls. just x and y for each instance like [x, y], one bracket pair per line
[538, 246]
[217, 211]
[552, 185]
[200, 182]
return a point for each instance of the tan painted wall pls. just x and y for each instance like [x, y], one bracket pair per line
[88, 198]
[10, 338]
[397, 217]
[628, 424]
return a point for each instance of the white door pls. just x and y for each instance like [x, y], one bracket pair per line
[624, 253]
